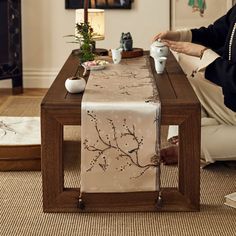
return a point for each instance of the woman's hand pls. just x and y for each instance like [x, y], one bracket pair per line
[187, 48]
[169, 35]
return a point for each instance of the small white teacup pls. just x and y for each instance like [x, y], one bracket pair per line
[160, 63]
[116, 55]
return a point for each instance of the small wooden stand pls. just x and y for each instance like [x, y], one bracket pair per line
[136, 52]
[98, 52]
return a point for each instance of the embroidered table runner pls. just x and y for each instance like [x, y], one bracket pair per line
[120, 129]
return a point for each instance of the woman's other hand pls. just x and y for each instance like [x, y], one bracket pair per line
[187, 48]
[168, 35]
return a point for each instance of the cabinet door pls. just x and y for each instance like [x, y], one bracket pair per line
[4, 39]
[10, 41]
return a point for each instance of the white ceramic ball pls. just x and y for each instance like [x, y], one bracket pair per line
[75, 84]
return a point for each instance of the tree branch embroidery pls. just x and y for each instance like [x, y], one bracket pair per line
[104, 143]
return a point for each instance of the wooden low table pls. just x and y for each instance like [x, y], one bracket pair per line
[180, 106]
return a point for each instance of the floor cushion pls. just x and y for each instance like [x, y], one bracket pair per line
[20, 143]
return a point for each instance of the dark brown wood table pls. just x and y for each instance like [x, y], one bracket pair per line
[180, 106]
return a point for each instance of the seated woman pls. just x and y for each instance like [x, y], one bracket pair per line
[214, 83]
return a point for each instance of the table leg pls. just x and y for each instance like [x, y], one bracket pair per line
[52, 163]
[189, 159]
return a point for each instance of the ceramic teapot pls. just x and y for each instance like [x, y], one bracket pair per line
[158, 49]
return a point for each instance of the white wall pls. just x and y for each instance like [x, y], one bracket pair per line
[44, 23]
[146, 18]
[190, 19]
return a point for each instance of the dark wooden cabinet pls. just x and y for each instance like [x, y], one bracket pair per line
[11, 43]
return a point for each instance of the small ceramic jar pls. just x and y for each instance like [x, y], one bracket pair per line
[75, 84]
[158, 49]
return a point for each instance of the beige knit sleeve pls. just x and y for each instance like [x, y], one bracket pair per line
[207, 58]
[185, 35]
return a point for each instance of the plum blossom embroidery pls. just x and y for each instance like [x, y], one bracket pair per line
[125, 155]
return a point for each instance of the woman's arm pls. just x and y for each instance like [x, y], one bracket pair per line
[217, 69]
[214, 36]
[187, 48]
[222, 72]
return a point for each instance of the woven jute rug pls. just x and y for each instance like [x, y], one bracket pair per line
[21, 209]
[21, 203]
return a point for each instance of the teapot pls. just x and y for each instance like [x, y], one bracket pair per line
[158, 49]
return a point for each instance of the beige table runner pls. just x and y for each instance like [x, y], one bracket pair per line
[120, 129]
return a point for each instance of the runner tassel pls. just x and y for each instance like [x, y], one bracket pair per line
[81, 204]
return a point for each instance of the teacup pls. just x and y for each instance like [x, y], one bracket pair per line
[160, 63]
[116, 55]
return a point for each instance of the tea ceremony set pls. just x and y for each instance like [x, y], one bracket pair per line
[158, 51]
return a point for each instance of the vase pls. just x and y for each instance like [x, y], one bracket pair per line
[75, 84]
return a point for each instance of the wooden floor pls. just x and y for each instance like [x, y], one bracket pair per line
[6, 93]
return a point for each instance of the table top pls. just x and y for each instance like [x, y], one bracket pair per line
[174, 88]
